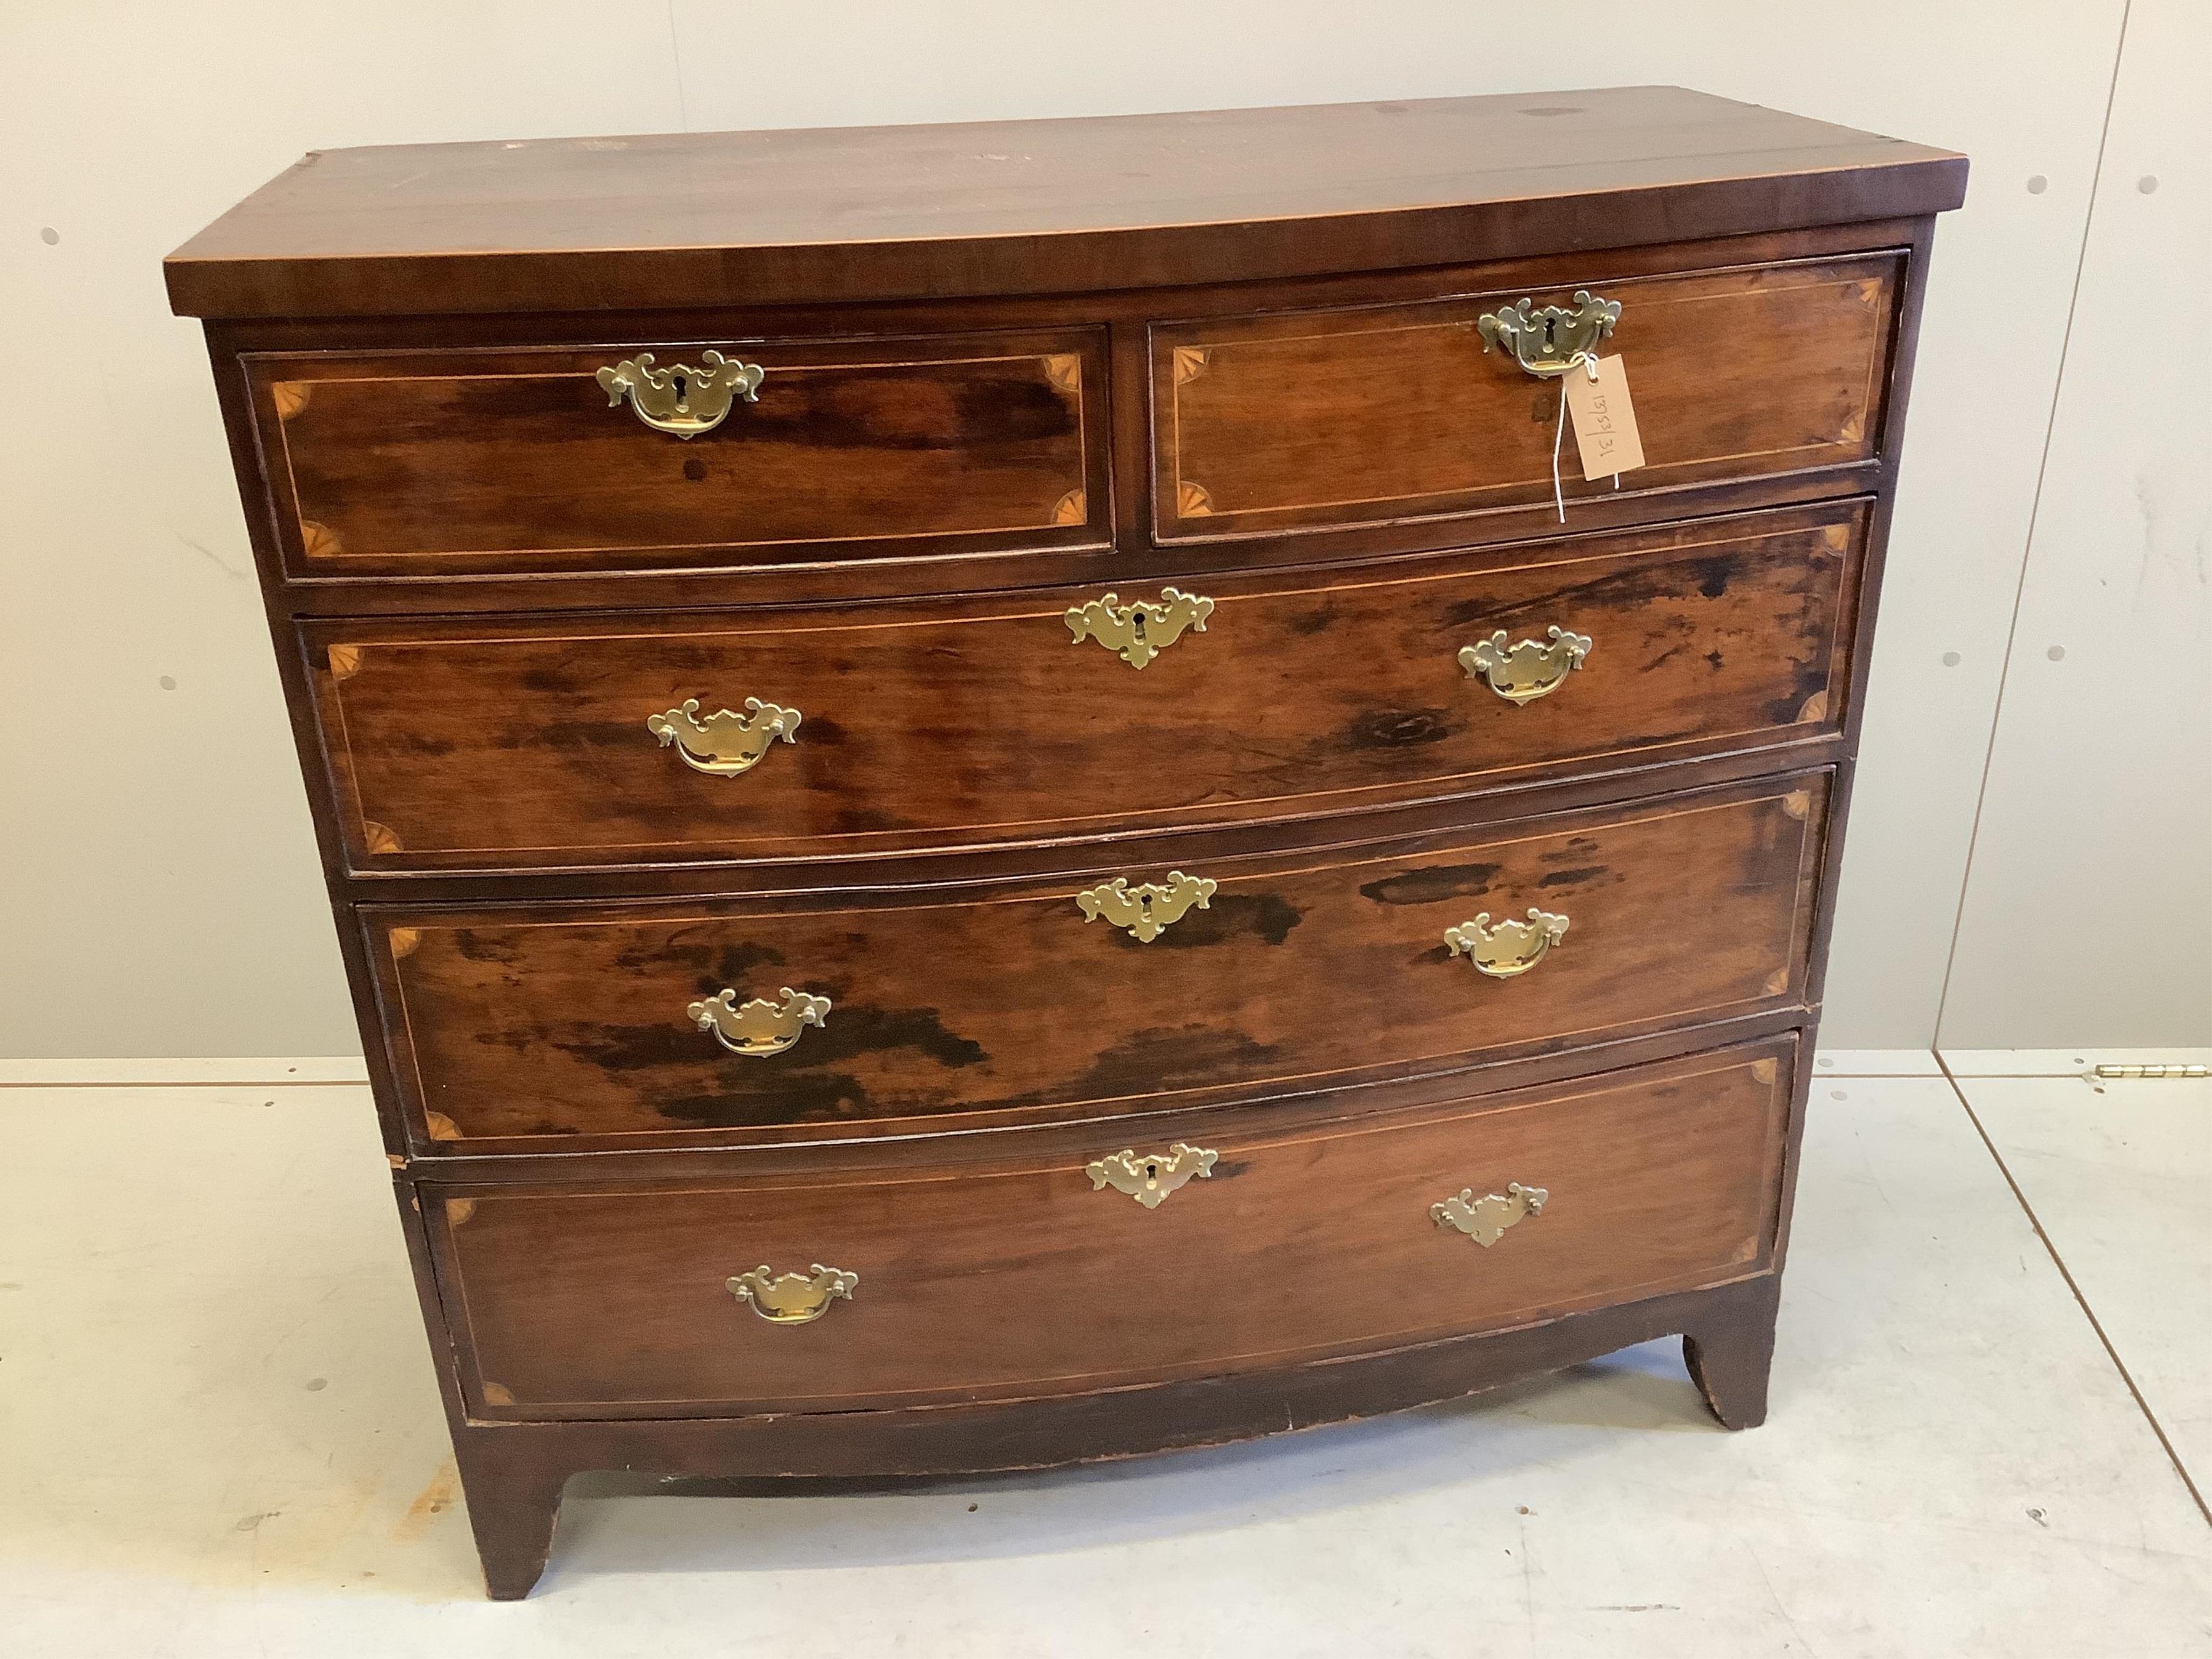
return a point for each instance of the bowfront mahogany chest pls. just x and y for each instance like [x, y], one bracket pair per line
[996, 794]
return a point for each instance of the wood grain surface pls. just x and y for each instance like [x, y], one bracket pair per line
[1315, 418]
[1023, 1277]
[495, 462]
[523, 744]
[515, 1028]
[1015, 207]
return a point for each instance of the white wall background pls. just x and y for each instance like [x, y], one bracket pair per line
[158, 890]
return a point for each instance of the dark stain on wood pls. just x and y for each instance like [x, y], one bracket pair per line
[1399, 728]
[816, 1098]
[479, 946]
[1168, 1057]
[1573, 878]
[1227, 916]
[1427, 885]
[856, 1029]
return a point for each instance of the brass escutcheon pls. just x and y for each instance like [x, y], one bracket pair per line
[1149, 1177]
[1484, 1219]
[1509, 948]
[1522, 672]
[1548, 343]
[794, 1298]
[1147, 911]
[759, 1027]
[725, 744]
[1140, 631]
[681, 399]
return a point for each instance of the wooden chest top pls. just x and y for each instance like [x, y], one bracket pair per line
[862, 214]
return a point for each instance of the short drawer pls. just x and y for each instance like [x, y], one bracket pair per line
[1361, 415]
[544, 743]
[865, 1012]
[1042, 1275]
[492, 462]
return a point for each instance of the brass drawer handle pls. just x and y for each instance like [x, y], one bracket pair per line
[725, 744]
[1138, 632]
[759, 1027]
[1484, 1219]
[681, 399]
[1548, 343]
[794, 1298]
[1150, 910]
[1532, 669]
[1509, 948]
[1149, 1177]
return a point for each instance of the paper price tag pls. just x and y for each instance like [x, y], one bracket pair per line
[1604, 418]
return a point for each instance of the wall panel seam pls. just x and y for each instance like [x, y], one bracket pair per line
[2034, 512]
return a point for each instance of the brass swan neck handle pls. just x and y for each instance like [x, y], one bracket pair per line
[759, 1027]
[1509, 948]
[724, 745]
[792, 1298]
[1528, 670]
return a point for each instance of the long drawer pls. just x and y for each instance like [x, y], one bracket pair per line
[542, 743]
[1308, 419]
[495, 462]
[864, 1012]
[1072, 1271]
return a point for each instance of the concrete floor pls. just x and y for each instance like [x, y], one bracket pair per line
[219, 1432]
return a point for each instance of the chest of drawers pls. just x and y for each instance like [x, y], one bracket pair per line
[994, 795]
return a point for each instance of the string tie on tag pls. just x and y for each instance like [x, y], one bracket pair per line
[1560, 431]
[1589, 366]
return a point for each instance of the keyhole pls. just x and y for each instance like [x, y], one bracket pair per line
[1137, 623]
[1151, 1171]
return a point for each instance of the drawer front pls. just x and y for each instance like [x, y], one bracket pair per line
[574, 1026]
[1362, 416]
[491, 462]
[1029, 1277]
[526, 742]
